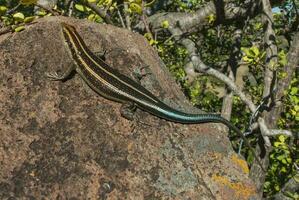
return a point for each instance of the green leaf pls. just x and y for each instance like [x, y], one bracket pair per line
[294, 90]
[281, 138]
[136, 8]
[29, 19]
[94, 18]
[82, 8]
[91, 17]
[255, 50]
[282, 58]
[165, 24]
[148, 36]
[247, 59]
[3, 10]
[41, 12]
[282, 75]
[281, 157]
[277, 144]
[276, 187]
[153, 42]
[18, 17]
[211, 18]
[28, 2]
[245, 50]
[258, 26]
[19, 28]
[283, 169]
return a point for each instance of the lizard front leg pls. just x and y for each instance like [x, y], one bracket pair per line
[54, 76]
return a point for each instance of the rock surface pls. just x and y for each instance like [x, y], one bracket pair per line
[60, 140]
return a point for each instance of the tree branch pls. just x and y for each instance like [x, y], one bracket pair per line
[197, 20]
[269, 84]
[99, 11]
[283, 83]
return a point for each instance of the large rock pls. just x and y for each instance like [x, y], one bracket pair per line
[60, 140]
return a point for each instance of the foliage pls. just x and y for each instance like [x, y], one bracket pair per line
[285, 154]
[282, 168]
[214, 47]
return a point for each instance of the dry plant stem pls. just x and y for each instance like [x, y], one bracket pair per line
[71, 9]
[121, 19]
[127, 15]
[144, 20]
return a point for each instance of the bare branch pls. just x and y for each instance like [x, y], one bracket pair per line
[271, 50]
[269, 84]
[194, 21]
[274, 132]
[232, 64]
[283, 83]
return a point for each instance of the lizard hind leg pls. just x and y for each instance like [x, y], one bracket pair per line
[101, 54]
[127, 110]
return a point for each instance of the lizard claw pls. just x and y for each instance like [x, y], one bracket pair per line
[53, 76]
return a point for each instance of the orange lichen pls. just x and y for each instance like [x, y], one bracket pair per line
[242, 191]
[241, 163]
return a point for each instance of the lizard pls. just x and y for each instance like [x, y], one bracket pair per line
[111, 84]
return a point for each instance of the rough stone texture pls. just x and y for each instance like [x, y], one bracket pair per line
[63, 141]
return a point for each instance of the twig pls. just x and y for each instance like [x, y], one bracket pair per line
[13, 9]
[99, 11]
[71, 8]
[127, 17]
[144, 20]
[55, 13]
[121, 19]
